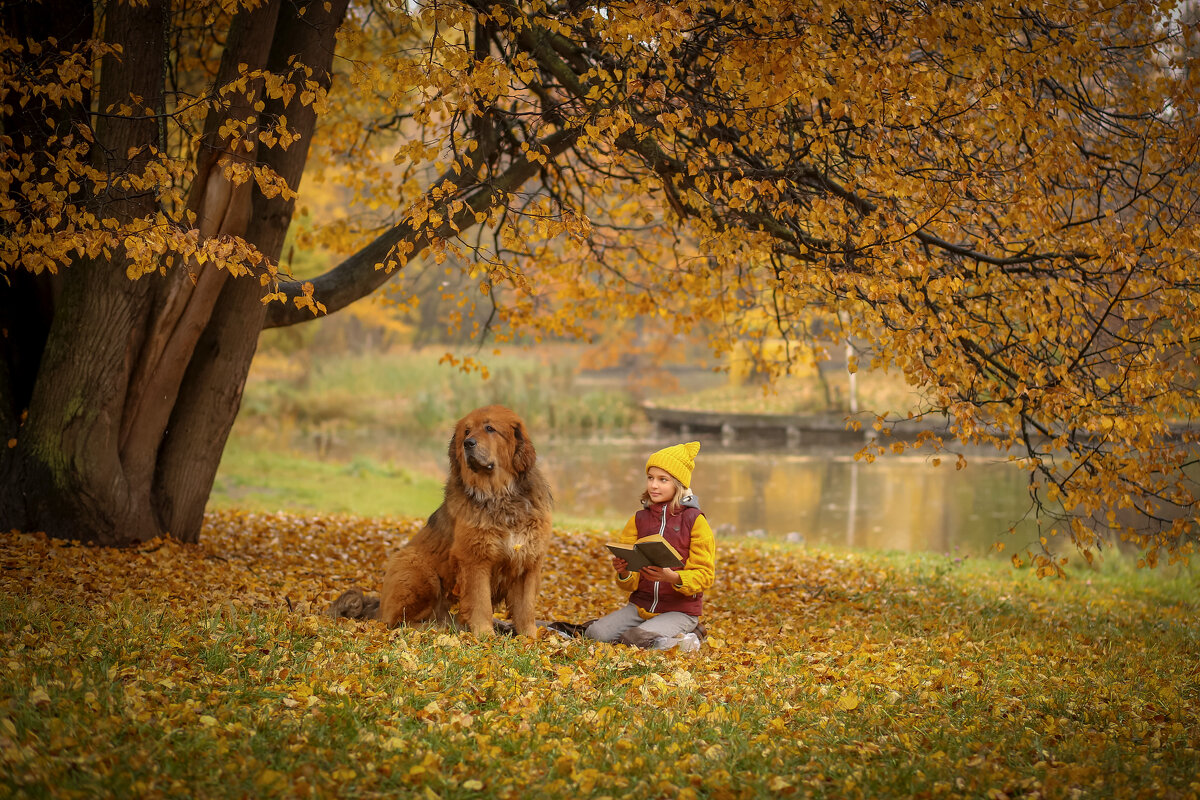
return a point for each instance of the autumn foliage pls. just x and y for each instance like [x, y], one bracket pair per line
[999, 203]
[208, 670]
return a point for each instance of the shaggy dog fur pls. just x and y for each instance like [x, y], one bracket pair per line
[485, 543]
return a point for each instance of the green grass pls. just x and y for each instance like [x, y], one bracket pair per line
[179, 671]
[267, 479]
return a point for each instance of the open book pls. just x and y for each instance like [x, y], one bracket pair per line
[647, 551]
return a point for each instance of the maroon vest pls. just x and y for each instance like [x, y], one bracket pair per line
[660, 596]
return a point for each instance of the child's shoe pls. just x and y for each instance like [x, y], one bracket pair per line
[688, 643]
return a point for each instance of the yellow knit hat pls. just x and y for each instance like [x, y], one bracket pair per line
[678, 460]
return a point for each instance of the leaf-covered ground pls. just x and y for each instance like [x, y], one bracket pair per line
[207, 670]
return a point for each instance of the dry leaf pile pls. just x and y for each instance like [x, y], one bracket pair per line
[208, 670]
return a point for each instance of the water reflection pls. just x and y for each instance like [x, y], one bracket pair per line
[819, 495]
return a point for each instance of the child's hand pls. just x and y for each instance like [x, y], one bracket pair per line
[660, 574]
[620, 565]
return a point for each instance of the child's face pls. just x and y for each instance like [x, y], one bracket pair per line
[659, 485]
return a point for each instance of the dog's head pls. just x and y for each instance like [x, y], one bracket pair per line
[490, 449]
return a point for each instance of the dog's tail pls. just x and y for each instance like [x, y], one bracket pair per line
[354, 604]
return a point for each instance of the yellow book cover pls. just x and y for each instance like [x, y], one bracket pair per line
[647, 551]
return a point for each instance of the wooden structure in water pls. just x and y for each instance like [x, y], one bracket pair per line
[792, 429]
[795, 429]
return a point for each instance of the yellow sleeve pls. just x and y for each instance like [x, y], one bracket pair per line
[629, 536]
[699, 572]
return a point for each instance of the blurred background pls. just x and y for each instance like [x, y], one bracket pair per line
[353, 414]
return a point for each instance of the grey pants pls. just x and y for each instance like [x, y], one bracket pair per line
[627, 626]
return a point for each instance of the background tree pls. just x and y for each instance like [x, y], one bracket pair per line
[1000, 199]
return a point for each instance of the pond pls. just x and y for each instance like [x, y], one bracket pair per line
[817, 495]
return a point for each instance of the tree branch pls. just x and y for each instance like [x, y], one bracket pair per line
[361, 273]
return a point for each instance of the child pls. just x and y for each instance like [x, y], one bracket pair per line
[664, 604]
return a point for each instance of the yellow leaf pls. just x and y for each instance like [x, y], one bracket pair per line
[268, 778]
[848, 702]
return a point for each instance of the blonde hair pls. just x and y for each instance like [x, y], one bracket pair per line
[675, 504]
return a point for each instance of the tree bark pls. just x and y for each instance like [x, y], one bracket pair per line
[186, 297]
[212, 388]
[65, 476]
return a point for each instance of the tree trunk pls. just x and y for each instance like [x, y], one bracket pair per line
[209, 401]
[140, 381]
[65, 474]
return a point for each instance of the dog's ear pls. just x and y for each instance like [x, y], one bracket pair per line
[453, 454]
[524, 456]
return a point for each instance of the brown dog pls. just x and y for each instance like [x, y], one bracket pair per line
[486, 542]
